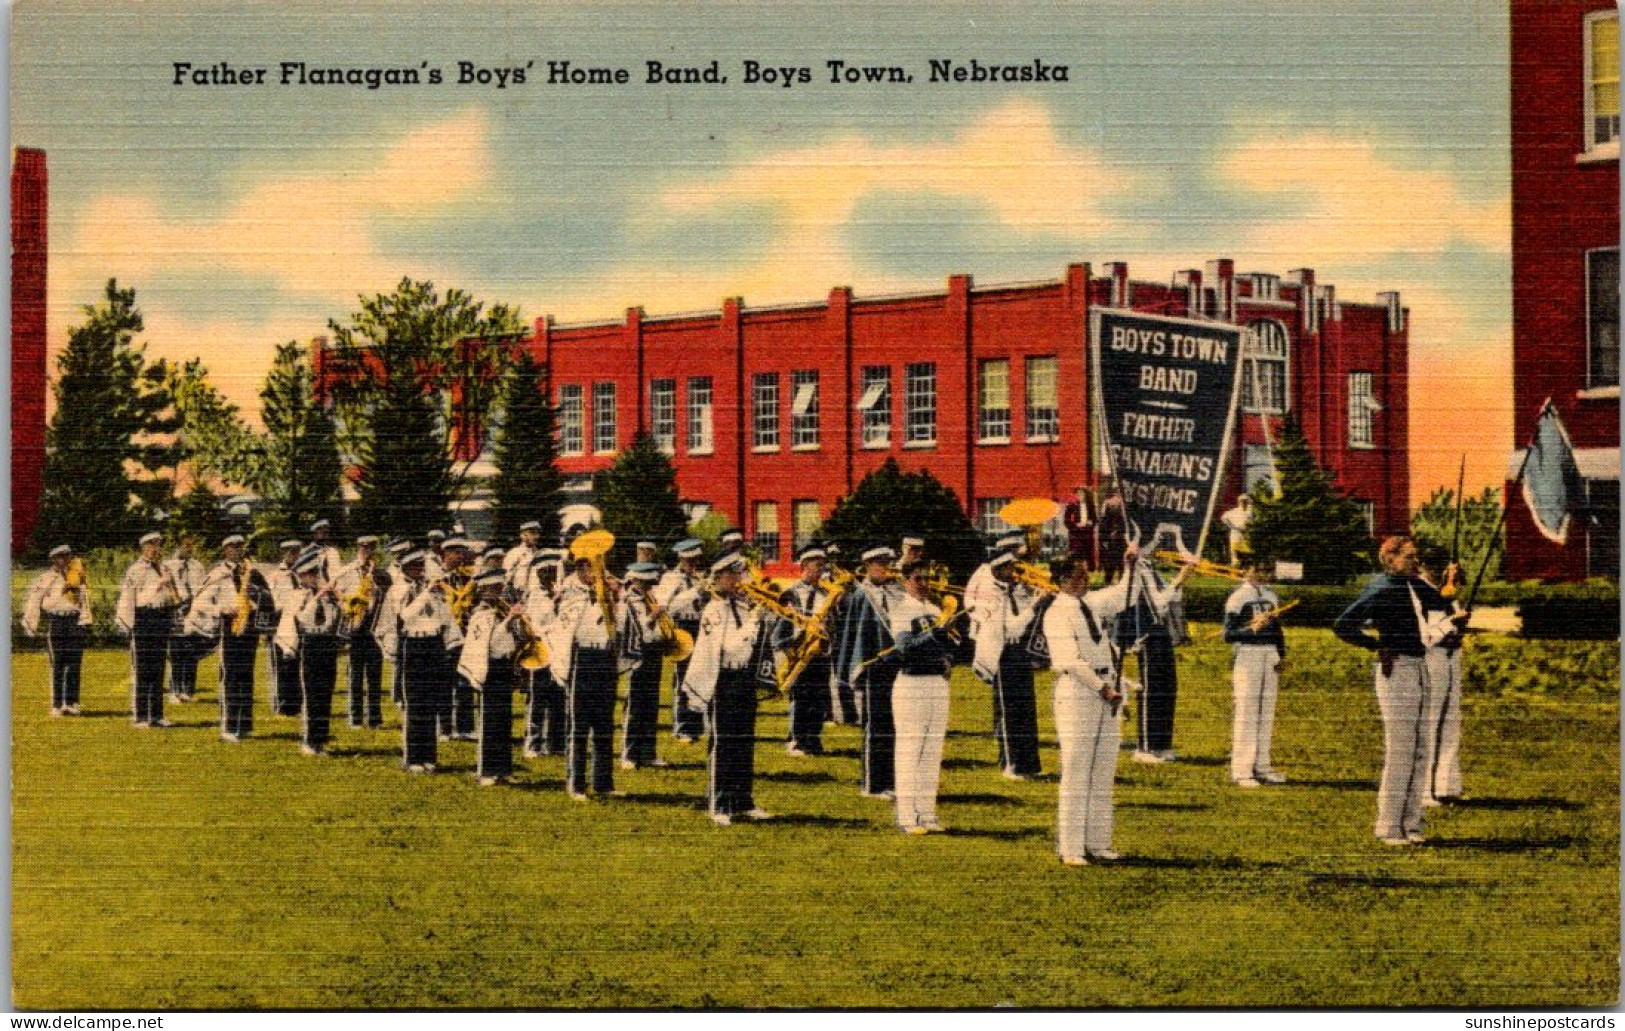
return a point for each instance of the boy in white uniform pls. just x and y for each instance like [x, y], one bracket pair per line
[919, 700]
[1253, 631]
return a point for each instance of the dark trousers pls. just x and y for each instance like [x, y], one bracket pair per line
[366, 681]
[809, 707]
[423, 661]
[592, 721]
[397, 692]
[687, 719]
[496, 720]
[642, 721]
[1159, 692]
[843, 703]
[733, 743]
[879, 730]
[149, 642]
[547, 717]
[1015, 713]
[65, 645]
[457, 711]
[318, 675]
[184, 652]
[287, 697]
[237, 682]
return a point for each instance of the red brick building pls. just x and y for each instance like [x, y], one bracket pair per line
[28, 374]
[773, 414]
[1565, 266]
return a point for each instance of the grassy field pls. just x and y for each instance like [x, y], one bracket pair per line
[165, 869]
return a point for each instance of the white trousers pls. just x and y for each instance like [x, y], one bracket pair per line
[920, 713]
[1089, 732]
[1254, 685]
[1407, 747]
[1443, 668]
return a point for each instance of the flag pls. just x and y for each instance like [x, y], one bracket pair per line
[1552, 487]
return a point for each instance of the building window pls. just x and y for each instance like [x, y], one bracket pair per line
[767, 530]
[663, 414]
[571, 424]
[1602, 79]
[1369, 510]
[764, 406]
[699, 415]
[987, 516]
[1043, 401]
[806, 522]
[603, 418]
[1256, 467]
[993, 401]
[1602, 529]
[920, 403]
[1264, 368]
[804, 409]
[1362, 403]
[875, 404]
[1602, 304]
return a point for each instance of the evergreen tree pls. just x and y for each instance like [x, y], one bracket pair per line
[528, 484]
[406, 345]
[110, 407]
[198, 513]
[889, 503]
[639, 500]
[301, 473]
[1312, 521]
[1434, 527]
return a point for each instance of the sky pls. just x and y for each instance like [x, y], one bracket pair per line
[1366, 140]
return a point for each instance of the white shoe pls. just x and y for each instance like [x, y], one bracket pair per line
[72, 710]
[578, 796]
[1075, 860]
[55, 711]
[627, 764]
[722, 819]
[231, 739]
[1246, 782]
[1150, 758]
[1168, 755]
[1271, 778]
[793, 749]
[1432, 803]
[306, 749]
[531, 753]
[417, 768]
[759, 814]
[1396, 841]
[1415, 838]
[487, 782]
[934, 828]
[142, 724]
[428, 767]
[1013, 775]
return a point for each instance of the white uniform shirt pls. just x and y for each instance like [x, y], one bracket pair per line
[143, 588]
[679, 591]
[283, 583]
[1003, 615]
[50, 595]
[516, 563]
[727, 639]
[416, 611]
[1073, 650]
[489, 637]
[189, 575]
[907, 611]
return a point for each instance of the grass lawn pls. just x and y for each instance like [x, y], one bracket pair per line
[166, 869]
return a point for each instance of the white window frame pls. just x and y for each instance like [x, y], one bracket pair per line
[1369, 510]
[1256, 357]
[920, 405]
[987, 516]
[1591, 323]
[1362, 409]
[700, 431]
[572, 420]
[992, 388]
[663, 414]
[804, 435]
[1043, 424]
[876, 413]
[768, 542]
[1594, 146]
[764, 411]
[605, 424]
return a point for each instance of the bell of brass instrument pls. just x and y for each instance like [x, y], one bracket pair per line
[593, 546]
[679, 642]
[532, 654]
[245, 604]
[77, 578]
[359, 601]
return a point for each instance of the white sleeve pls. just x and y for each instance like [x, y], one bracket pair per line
[32, 608]
[1063, 642]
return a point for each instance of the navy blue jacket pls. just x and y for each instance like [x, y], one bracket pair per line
[1386, 605]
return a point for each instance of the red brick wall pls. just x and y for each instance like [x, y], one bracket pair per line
[28, 372]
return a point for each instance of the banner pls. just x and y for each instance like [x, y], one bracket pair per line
[1552, 487]
[1165, 395]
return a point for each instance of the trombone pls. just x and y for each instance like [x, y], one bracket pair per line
[1030, 514]
[1201, 565]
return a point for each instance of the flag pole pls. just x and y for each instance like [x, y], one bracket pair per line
[1506, 506]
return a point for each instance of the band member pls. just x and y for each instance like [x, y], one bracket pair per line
[647, 552]
[1088, 694]
[722, 674]
[146, 606]
[287, 697]
[518, 560]
[679, 593]
[321, 537]
[491, 559]
[1145, 629]
[982, 590]
[731, 539]
[185, 649]
[1442, 665]
[66, 612]
[1002, 617]
[842, 706]
[920, 699]
[810, 694]
[1235, 520]
[457, 716]
[361, 587]
[1396, 603]
[640, 726]
[398, 548]
[495, 632]
[913, 550]
[873, 686]
[1079, 519]
[585, 636]
[1259, 646]
[235, 598]
[547, 717]
[416, 625]
[1111, 533]
[309, 631]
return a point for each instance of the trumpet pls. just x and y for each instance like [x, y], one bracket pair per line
[950, 614]
[760, 593]
[532, 654]
[1258, 622]
[1201, 565]
[1034, 577]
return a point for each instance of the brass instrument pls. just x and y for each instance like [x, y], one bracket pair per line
[77, 579]
[1258, 622]
[359, 601]
[936, 576]
[1201, 565]
[458, 599]
[1030, 514]
[1034, 577]
[814, 638]
[245, 604]
[679, 642]
[593, 546]
[950, 612]
[532, 654]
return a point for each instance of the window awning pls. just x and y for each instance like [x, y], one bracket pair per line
[806, 394]
[871, 397]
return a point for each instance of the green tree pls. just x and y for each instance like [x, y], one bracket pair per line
[212, 433]
[405, 346]
[639, 500]
[528, 484]
[301, 473]
[198, 513]
[1311, 521]
[110, 440]
[1434, 527]
[889, 503]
